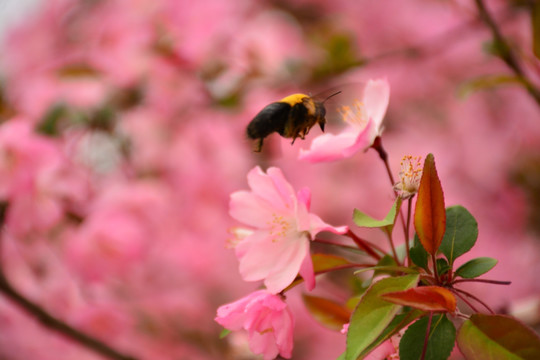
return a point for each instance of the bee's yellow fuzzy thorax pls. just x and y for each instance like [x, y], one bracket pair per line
[293, 99]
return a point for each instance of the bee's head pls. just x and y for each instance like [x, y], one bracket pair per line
[321, 111]
[322, 117]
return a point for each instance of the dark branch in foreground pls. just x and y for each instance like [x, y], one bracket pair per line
[54, 324]
[505, 52]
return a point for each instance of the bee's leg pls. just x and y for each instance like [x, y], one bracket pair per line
[259, 145]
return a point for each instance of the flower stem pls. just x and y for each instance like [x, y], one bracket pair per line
[426, 339]
[366, 245]
[435, 271]
[394, 252]
[407, 231]
[377, 145]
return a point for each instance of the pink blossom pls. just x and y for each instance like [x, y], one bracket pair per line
[278, 248]
[364, 121]
[267, 319]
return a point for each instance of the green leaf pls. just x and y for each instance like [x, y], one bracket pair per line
[224, 333]
[390, 269]
[327, 312]
[398, 323]
[497, 337]
[372, 314]
[386, 260]
[442, 266]
[487, 82]
[419, 255]
[442, 335]
[476, 267]
[461, 233]
[49, 123]
[387, 224]
[429, 214]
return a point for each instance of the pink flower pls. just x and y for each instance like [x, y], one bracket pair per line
[365, 125]
[278, 249]
[409, 176]
[267, 319]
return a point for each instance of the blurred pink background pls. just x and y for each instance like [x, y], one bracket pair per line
[118, 212]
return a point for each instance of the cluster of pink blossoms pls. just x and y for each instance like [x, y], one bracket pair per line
[276, 246]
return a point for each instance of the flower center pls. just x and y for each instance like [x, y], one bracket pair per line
[279, 227]
[409, 176]
[356, 115]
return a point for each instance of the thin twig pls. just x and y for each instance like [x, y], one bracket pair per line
[505, 52]
[365, 245]
[475, 298]
[50, 321]
[495, 282]
[57, 325]
[464, 300]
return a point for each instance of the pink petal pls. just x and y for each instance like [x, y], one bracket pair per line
[302, 210]
[330, 147]
[272, 187]
[304, 196]
[250, 209]
[264, 344]
[287, 266]
[307, 272]
[232, 315]
[376, 98]
[276, 261]
[254, 265]
[284, 325]
[317, 225]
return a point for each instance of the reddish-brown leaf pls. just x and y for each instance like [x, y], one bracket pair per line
[497, 337]
[426, 298]
[327, 312]
[430, 215]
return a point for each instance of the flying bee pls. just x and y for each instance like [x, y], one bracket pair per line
[291, 117]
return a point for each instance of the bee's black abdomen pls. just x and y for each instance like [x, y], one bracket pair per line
[272, 118]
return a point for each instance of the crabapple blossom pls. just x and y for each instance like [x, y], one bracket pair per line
[278, 249]
[267, 319]
[365, 124]
[409, 176]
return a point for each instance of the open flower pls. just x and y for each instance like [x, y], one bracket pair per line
[267, 319]
[364, 121]
[409, 176]
[278, 248]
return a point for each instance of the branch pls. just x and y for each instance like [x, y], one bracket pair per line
[57, 325]
[505, 51]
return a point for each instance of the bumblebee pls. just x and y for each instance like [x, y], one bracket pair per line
[291, 117]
